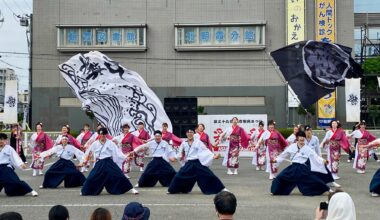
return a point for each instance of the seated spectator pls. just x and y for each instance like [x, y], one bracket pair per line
[135, 211]
[10, 216]
[101, 214]
[225, 205]
[59, 212]
[340, 207]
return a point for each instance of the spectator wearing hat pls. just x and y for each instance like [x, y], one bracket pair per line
[106, 173]
[135, 211]
[196, 158]
[225, 205]
[9, 180]
[159, 168]
[64, 169]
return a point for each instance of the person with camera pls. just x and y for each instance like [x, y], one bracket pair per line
[299, 173]
[339, 206]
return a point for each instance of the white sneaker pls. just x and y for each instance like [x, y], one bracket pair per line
[235, 172]
[331, 191]
[257, 168]
[126, 175]
[134, 191]
[40, 173]
[141, 169]
[41, 187]
[335, 176]
[360, 171]
[34, 193]
[348, 161]
[334, 184]
[272, 176]
[229, 172]
[137, 185]
[225, 190]
[374, 194]
[34, 172]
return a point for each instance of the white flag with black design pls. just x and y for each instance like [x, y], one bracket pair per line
[352, 90]
[10, 102]
[113, 93]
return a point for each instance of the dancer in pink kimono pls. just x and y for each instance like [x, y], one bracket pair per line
[259, 152]
[127, 142]
[169, 137]
[236, 138]
[202, 136]
[275, 143]
[39, 142]
[144, 136]
[334, 141]
[361, 148]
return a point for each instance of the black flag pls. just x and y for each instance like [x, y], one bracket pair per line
[314, 69]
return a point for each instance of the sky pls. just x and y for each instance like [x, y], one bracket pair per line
[367, 6]
[13, 37]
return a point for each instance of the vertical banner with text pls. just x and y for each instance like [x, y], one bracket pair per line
[325, 15]
[295, 31]
[10, 102]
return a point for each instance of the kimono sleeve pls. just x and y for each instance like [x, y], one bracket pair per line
[317, 163]
[205, 156]
[15, 159]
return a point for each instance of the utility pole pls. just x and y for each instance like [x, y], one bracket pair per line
[27, 21]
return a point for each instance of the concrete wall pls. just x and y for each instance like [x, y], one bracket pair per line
[168, 72]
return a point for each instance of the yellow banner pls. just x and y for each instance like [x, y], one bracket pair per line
[326, 109]
[325, 20]
[325, 31]
[295, 21]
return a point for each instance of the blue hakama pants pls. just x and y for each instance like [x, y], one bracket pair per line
[63, 170]
[12, 185]
[326, 178]
[374, 186]
[298, 175]
[193, 171]
[106, 174]
[157, 170]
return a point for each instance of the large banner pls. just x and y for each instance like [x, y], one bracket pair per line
[10, 102]
[217, 124]
[325, 15]
[352, 91]
[114, 94]
[326, 110]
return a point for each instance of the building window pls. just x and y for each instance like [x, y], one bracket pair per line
[220, 36]
[114, 38]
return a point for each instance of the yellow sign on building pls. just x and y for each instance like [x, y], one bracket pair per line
[325, 15]
[295, 21]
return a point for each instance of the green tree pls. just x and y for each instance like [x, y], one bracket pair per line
[371, 66]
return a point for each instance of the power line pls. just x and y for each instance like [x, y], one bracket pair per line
[20, 68]
[5, 3]
[19, 8]
[26, 3]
